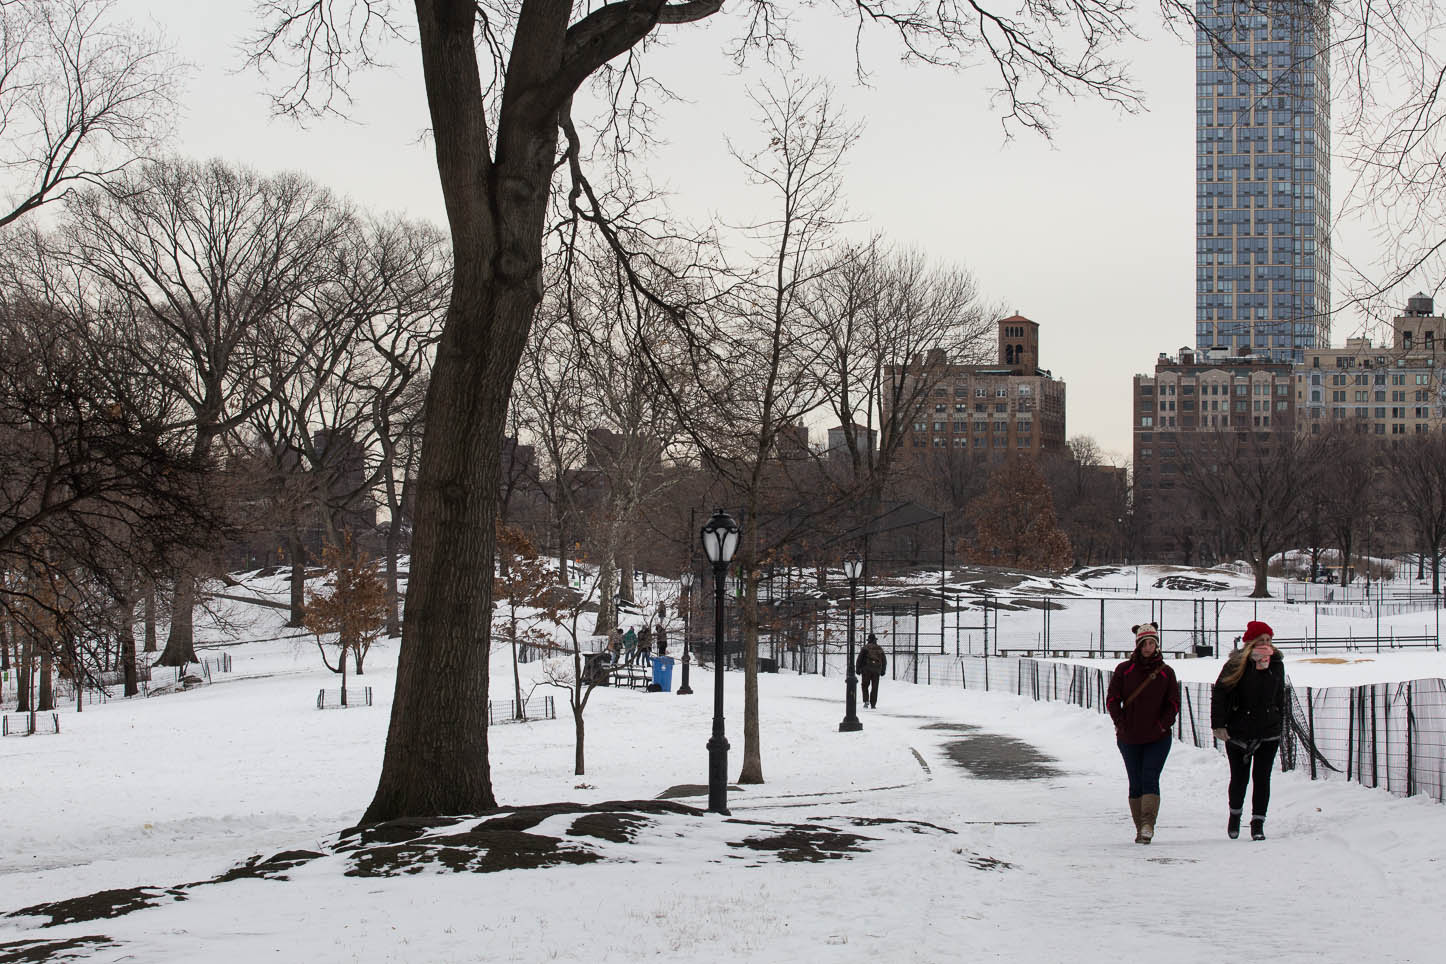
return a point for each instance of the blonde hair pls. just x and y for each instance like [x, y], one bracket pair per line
[1235, 665]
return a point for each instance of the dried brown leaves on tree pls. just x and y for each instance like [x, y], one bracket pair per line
[352, 608]
[1014, 522]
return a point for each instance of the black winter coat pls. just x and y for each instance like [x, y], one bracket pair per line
[1254, 708]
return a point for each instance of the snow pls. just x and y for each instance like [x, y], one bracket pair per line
[179, 788]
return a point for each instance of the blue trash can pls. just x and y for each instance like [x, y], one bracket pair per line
[663, 673]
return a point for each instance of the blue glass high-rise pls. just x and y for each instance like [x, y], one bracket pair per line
[1262, 177]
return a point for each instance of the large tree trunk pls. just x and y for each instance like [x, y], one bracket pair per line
[751, 770]
[296, 549]
[46, 699]
[4, 645]
[150, 617]
[180, 643]
[128, 647]
[577, 754]
[394, 619]
[516, 671]
[626, 588]
[24, 678]
[1262, 573]
[607, 613]
[436, 753]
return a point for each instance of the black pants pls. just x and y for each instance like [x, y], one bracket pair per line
[870, 688]
[1246, 765]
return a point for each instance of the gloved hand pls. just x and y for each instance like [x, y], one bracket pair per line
[1220, 734]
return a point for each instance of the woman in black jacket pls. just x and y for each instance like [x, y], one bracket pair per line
[1247, 713]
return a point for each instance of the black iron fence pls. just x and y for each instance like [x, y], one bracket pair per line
[534, 708]
[29, 724]
[332, 699]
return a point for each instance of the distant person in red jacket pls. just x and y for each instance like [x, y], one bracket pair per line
[1143, 700]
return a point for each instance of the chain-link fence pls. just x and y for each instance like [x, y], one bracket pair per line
[1387, 735]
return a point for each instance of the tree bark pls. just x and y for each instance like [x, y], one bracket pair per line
[46, 699]
[128, 647]
[577, 757]
[394, 620]
[296, 549]
[516, 671]
[180, 643]
[24, 681]
[751, 770]
[150, 617]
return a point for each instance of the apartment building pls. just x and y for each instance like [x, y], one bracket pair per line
[1384, 391]
[1188, 397]
[988, 410]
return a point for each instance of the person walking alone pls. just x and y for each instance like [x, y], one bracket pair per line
[1247, 713]
[870, 665]
[1143, 699]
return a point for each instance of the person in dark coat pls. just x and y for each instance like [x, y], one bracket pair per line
[643, 654]
[1143, 700]
[1247, 713]
[870, 665]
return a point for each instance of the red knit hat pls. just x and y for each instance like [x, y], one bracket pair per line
[1255, 628]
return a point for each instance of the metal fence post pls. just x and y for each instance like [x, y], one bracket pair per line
[1310, 726]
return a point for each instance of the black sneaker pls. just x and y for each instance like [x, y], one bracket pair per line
[1233, 827]
[1257, 829]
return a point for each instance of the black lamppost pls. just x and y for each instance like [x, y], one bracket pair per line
[853, 566]
[720, 540]
[686, 579]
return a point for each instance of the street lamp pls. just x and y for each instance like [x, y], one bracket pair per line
[853, 566]
[720, 540]
[686, 579]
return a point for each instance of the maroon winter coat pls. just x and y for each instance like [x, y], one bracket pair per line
[1152, 712]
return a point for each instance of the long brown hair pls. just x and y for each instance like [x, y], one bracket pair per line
[1240, 659]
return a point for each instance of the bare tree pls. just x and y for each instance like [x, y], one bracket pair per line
[352, 608]
[883, 312]
[82, 95]
[202, 271]
[1345, 490]
[1251, 487]
[496, 119]
[1417, 470]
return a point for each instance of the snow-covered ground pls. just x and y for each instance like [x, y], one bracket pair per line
[177, 789]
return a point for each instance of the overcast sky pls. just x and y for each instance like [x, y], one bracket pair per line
[1092, 236]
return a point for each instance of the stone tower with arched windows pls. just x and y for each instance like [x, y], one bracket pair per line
[1019, 345]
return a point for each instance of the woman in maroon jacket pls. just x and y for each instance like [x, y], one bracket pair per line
[1143, 700]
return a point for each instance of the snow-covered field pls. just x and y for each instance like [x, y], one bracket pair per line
[177, 789]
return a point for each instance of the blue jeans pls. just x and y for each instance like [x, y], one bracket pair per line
[1143, 763]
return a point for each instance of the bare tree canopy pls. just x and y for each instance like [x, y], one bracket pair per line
[82, 95]
[500, 78]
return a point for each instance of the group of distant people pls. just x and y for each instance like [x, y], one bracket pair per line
[1247, 714]
[634, 647]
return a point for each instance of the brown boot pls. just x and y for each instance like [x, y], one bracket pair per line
[1135, 813]
[1149, 810]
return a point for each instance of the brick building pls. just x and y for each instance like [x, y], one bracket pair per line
[1187, 398]
[987, 410]
[1385, 391]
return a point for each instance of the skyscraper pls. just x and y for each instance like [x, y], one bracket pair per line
[1262, 177]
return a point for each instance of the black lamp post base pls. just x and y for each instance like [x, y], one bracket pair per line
[718, 773]
[850, 726]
